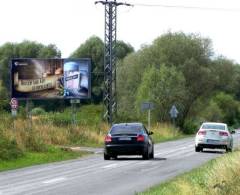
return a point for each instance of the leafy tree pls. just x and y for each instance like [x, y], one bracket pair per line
[164, 87]
[229, 106]
[189, 54]
[175, 48]
[200, 82]
[94, 48]
[123, 49]
[25, 49]
[226, 74]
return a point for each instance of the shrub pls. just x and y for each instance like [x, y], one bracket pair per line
[190, 126]
[35, 143]
[38, 111]
[9, 149]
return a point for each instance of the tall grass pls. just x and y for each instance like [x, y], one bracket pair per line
[58, 129]
[220, 176]
[164, 132]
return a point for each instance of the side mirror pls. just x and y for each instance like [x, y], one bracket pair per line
[233, 132]
[150, 133]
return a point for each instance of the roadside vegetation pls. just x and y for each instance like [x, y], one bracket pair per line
[176, 69]
[46, 136]
[52, 154]
[220, 176]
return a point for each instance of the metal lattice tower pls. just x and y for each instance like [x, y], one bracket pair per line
[109, 95]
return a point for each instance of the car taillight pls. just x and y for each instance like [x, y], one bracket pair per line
[201, 132]
[140, 138]
[108, 138]
[222, 133]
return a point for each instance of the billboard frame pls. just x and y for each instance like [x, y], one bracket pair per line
[88, 60]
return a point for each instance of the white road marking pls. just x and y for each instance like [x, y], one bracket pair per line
[110, 166]
[55, 180]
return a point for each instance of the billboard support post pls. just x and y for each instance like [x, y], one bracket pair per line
[74, 110]
[29, 113]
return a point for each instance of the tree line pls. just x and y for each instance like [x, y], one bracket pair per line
[177, 68]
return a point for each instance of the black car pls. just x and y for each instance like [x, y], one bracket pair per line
[128, 139]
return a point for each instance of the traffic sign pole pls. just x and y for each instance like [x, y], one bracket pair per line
[149, 119]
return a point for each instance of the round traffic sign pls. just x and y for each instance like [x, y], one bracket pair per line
[14, 103]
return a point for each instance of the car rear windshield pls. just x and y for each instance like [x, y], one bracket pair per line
[126, 129]
[213, 126]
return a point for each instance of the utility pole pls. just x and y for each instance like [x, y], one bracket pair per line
[109, 94]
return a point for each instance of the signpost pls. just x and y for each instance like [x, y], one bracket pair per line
[173, 113]
[148, 106]
[14, 107]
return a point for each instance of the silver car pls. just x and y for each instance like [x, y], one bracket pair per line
[213, 135]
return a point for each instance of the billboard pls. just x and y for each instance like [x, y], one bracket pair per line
[51, 78]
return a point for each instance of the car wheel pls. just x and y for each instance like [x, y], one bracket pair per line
[146, 155]
[228, 149]
[106, 156]
[197, 149]
[152, 154]
[115, 157]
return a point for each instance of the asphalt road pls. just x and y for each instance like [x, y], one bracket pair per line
[93, 175]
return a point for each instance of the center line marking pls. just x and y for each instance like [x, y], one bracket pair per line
[55, 180]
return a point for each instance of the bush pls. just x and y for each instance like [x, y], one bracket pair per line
[38, 111]
[35, 143]
[190, 126]
[9, 149]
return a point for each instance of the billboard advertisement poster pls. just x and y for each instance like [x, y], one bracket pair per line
[50, 78]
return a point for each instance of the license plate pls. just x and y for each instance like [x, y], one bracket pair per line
[124, 138]
[212, 141]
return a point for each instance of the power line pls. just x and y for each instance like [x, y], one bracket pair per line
[188, 7]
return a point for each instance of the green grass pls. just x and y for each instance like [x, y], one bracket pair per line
[36, 158]
[220, 176]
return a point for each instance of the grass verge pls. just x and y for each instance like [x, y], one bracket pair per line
[35, 158]
[220, 176]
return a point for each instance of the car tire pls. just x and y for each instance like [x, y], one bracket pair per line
[115, 157]
[106, 156]
[152, 154]
[198, 149]
[146, 155]
[228, 149]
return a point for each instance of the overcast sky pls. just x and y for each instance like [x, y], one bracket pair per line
[68, 23]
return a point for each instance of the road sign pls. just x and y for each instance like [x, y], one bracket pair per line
[14, 103]
[173, 112]
[75, 101]
[147, 106]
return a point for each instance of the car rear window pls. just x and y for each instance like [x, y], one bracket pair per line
[126, 129]
[213, 126]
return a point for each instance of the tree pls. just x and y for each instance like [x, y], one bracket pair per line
[226, 74]
[94, 48]
[163, 87]
[25, 49]
[123, 49]
[189, 54]
[200, 82]
[229, 106]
